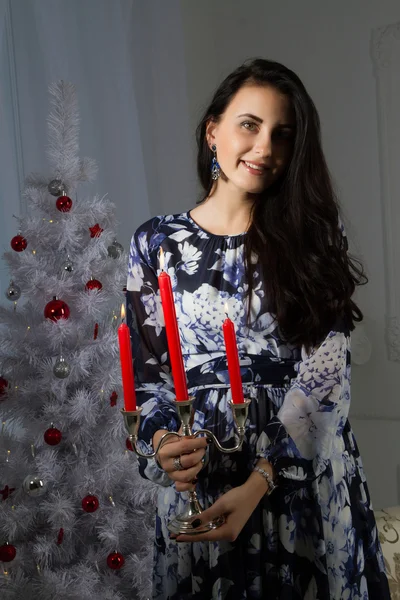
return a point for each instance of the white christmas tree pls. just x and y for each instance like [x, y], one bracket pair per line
[76, 518]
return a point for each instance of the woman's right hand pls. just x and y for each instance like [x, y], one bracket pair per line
[190, 451]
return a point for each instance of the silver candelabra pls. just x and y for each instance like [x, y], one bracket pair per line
[183, 523]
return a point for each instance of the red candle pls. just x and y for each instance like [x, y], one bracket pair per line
[233, 361]
[171, 327]
[125, 353]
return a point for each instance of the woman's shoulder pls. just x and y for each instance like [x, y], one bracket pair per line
[150, 235]
[163, 223]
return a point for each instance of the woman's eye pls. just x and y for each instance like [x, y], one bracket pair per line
[249, 125]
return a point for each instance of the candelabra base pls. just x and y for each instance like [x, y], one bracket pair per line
[183, 522]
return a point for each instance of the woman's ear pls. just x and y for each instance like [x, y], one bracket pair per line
[210, 132]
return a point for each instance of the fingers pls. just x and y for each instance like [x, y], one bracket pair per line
[169, 439]
[190, 460]
[186, 461]
[190, 451]
[185, 445]
[187, 475]
[186, 487]
[227, 531]
[223, 533]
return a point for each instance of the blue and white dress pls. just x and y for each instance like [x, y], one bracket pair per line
[315, 537]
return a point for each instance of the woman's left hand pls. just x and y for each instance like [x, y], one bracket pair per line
[236, 506]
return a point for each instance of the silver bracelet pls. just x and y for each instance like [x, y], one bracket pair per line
[271, 485]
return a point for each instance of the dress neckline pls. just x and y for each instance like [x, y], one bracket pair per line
[215, 235]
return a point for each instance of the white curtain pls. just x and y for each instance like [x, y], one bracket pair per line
[9, 177]
[126, 58]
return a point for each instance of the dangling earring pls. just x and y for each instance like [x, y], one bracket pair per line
[215, 168]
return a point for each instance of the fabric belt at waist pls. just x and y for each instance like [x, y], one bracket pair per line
[257, 370]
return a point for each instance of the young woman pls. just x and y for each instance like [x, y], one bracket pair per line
[265, 242]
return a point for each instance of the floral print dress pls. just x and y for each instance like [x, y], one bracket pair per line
[315, 537]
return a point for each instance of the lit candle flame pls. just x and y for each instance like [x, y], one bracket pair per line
[122, 312]
[161, 259]
[226, 308]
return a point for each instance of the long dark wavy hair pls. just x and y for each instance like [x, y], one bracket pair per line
[294, 229]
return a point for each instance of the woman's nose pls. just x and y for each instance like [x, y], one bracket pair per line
[263, 147]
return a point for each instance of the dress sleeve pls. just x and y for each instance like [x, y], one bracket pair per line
[300, 440]
[153, 380]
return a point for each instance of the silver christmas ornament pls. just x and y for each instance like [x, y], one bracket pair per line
[34, 486]
[115, 250]
[61, 368]
[56, 187]
[68, 266]
[13, 292]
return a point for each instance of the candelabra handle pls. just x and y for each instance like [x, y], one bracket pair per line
[240, 412]
[132, 422]
[212, 437]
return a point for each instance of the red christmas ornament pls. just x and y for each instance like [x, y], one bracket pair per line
[96, 331]
[60, 537]
[113, 398]
[64, 203]
[93, 284]
[90, 503]
[128, 444]
[18, 243]
[56, 309]
[52, 436]
[8, 552]
[95, 231]
[6, 493]
[3, 386]
[115, 560]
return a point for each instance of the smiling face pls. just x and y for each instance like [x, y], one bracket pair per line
[254, 138]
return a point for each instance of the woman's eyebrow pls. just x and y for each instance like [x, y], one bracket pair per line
[251, 117]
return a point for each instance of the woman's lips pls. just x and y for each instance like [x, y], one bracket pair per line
[257, 172]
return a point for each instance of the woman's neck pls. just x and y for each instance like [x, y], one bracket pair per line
[224, 213]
